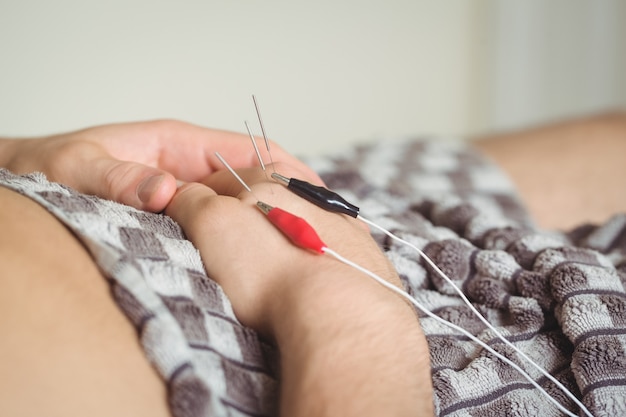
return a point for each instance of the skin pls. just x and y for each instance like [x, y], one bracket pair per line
[66, 349]
[70, 344]
[135, 163]
[336, 329]
[566, 173]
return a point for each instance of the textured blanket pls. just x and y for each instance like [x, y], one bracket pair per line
[557, 296]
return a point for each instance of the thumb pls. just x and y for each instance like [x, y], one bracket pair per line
[131, 183]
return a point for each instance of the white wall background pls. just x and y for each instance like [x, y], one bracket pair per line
[550, 60]
[326, 73]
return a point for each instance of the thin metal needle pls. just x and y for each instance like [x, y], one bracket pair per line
[256, 148]
[267, 142]
[232, 171]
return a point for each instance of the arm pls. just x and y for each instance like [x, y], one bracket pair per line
[566, 173]
[348, 346]
[365, 356]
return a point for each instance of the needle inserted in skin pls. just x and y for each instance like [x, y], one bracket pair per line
[232, 171]
[295, 228]
[256, 148]
[258, 114]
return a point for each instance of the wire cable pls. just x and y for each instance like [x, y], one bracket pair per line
[320, 196]
[480, 316]
[304, 236]
[488, 348]
[298, 230]
[331, 201]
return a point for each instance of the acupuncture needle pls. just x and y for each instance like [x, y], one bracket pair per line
[267, 142]
[256, 148]
[295, 228]
[232, 171]
[302, 234]
[331, 201]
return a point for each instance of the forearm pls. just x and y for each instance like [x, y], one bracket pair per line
[566, 173]
[351, 347]
[7, 150]
[348, 345]
[21, 155]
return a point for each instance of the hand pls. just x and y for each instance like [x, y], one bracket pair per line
[255, 264]
[348, 346]
[135, 163]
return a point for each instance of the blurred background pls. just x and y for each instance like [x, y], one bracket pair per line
[326, 73]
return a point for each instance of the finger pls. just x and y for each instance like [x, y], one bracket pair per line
[236, 243]
[185, 150]
[131, 183]
[189, 206]
[199, 142]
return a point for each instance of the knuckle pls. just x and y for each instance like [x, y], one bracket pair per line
[115, 178]
[197, 209]
[61, 157]
[168, 125]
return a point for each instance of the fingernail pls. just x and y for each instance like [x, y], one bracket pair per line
[180, 183]
[148, 186]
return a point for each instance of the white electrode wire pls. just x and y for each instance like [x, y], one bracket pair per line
[480, 316]
[447, 323]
